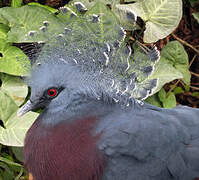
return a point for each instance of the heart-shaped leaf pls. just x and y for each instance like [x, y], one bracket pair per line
[7, 106]
[154, 100]
[43, 6]
[31, 24]
[168, 101]
[176, 55]
[15, 128]
[161, 17]
[172, 65]
[3, 31]
[165, 72]
[14, 87]
[12, 60]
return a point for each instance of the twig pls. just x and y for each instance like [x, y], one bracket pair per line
[174, 86]
[193, 59]
[190, 94]
[185, 43]
[131, 38]
[196, 88]
[182, 83]
[19, 175]
[197, 84]
[195, 74]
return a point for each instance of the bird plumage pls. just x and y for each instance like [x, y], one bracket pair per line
[152, 143]
[136, 142]
[93, 127]
[64, 151]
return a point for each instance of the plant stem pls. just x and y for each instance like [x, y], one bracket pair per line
[193, 59]
[172, 88]
[195, 74]
[196, 88]
[19, 175]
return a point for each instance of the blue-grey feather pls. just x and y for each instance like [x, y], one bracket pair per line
[139, 141]
[154, 141]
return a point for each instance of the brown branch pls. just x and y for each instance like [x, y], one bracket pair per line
[183, 84]
[174, 86]
[193, 59]
[196, 88]
[195, 74]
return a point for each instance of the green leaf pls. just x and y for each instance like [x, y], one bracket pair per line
[154, 100]
[13, 61]
[106, 23]
[7, 173]
[15, 128]
[167, 101]
[187, 88]
[87, 3]
[43, 6]
[122, 12]
[16, 3]
[90, 3]
[18, 151]
[161, 17]
[26, 24]
[172, 65]
[3, 31]
[7, 106]
[195, 94]
[18, 177]
[3, 20]
[9, 162]
[176, 55]
[162, 95]
[178, 90]
[14, 87]
[164, 72]
[170, 101]
[119, 11]
[196, 16]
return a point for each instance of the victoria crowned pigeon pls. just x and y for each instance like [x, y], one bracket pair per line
[94, 124]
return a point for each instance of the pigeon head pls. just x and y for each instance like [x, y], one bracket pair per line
[86, 64]
[57, 86]
[49, 84]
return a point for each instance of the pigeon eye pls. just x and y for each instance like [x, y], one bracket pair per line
[52, 92]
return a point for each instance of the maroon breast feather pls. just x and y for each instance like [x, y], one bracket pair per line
[66, 151]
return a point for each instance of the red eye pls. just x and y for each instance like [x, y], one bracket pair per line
[52, 92]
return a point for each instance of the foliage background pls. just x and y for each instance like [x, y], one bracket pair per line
[179, 65]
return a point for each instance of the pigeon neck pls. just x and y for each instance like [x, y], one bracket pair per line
[79, 111]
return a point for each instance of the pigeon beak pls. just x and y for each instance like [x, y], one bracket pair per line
[25, 108]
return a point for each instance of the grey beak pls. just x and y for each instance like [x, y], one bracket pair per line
[25, 108]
